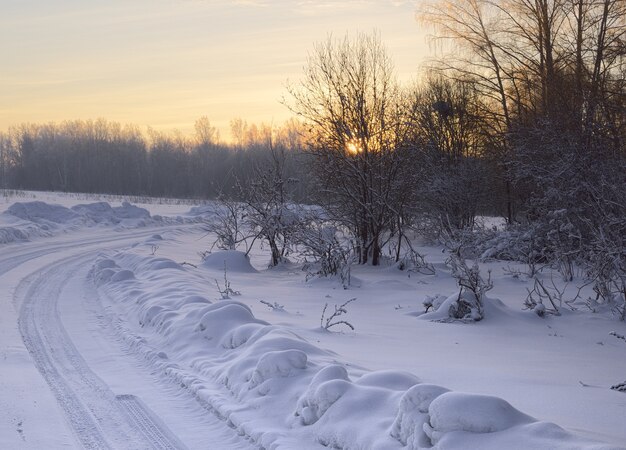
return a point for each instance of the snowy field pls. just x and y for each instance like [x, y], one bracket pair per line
[113, 334]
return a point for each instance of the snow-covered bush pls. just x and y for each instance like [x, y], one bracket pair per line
[470, 302]
[605, 261]
[329, 250]
[619, 386]
[229, 225]
[414, 261]
[433, 302]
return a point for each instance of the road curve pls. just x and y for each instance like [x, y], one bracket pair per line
[98, 417]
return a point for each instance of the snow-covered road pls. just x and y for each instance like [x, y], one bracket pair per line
[46, 284]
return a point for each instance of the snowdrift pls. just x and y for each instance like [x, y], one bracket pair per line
[283, 391]
[229, 260]
[23, 221]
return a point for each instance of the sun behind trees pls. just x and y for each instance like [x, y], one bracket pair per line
[353, 105]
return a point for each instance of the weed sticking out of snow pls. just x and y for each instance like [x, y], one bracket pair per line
[273, 306]
[333, 320]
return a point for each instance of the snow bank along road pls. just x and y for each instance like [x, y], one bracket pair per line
[77, 407]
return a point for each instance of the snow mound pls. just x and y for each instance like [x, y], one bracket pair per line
[457, 411]
[458, 420]
[128, 211]
[222, 317]
[232, 260]
[122, 275]
[324, 389]
[278, 364]
[408, 426]
[92, 213]
[241, 334]
[12, 234]
[203, 210]
[40, 212]
[102, 212]
[390, 379]
[164, 263]
[24, 220]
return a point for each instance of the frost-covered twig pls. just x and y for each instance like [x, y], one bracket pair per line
[416, 262]
[536, 296]
[554, 295]
[620, 386]
[273, 306]
[227, 291]
[339, 310]
[618, 336]
[229, 225]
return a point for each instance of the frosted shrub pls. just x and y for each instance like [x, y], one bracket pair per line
[273, 306]
[605, 262]
[470, 302]
[541, 294]
[609, 285]
[229, 225]
[433, 302]
[413, 261]
[330, 251]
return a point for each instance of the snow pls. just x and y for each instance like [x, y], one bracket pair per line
[229, 260]
[402, 379]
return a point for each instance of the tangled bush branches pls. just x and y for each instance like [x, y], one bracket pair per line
[470, 303]
[329, 249]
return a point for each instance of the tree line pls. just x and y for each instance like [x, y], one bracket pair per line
[100, 156]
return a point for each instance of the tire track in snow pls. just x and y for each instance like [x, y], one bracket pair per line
[146, 421]
[225, 434]
[230, 436]
[90, 421]
[99, 419]
[16, 255]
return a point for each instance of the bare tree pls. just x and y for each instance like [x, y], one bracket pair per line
[353, 106]
[449, 131]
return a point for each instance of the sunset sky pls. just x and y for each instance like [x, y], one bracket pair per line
[165, 63]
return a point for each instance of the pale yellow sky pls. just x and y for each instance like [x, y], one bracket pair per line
[165, 63]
